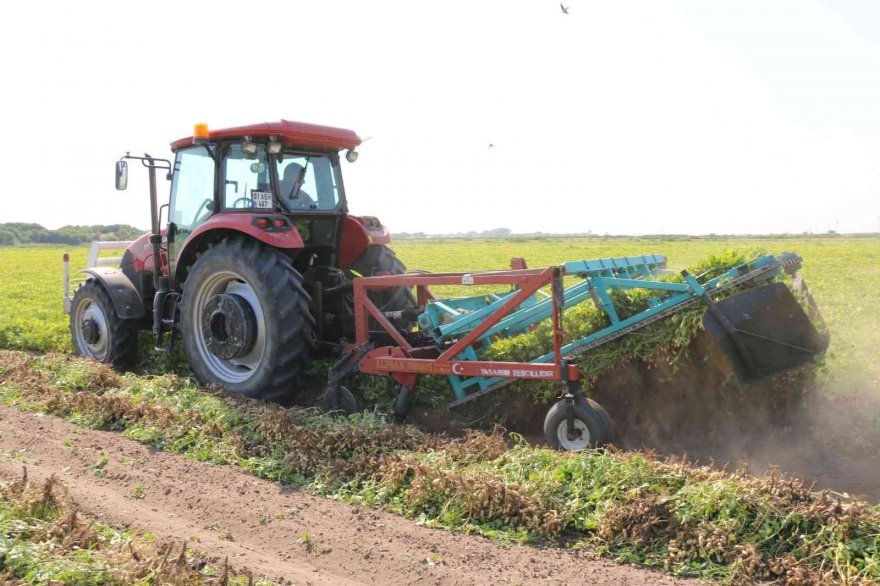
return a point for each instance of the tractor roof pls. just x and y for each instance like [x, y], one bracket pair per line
[299, 134]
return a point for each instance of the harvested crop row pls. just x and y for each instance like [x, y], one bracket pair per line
[628, 506]
[44, 539]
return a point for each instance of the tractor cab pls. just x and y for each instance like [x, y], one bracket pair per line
[279, 182]
[253, 267]
[252, 177]
[277, 177]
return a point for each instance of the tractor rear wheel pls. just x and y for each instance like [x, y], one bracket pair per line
[245, 319]
[98, 332]
[381, 259]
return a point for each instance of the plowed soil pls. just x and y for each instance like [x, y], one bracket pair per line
[269, 529]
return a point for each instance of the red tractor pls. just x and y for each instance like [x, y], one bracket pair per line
[255, 261]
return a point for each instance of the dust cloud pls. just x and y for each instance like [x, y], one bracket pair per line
[829, 436]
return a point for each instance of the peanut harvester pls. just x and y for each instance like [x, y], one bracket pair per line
[259, 267]
[759, 324]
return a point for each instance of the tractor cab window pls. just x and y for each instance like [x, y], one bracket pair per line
[192, 189]
[245, 182]
[307, 182]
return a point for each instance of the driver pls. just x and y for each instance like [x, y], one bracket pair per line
[301, 199]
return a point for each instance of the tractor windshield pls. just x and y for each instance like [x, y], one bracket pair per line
[307, 182]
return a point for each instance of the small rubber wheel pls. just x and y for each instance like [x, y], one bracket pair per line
[606, 420]
[339, 400]
[591, 429]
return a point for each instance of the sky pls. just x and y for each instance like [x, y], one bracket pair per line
[619, 117]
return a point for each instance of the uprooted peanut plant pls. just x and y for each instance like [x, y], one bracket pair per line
[45, 539]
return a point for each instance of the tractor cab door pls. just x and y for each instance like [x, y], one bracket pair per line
[192, 197]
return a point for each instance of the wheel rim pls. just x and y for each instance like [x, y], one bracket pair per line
[238, 369]
[579, 441]
[87, 310]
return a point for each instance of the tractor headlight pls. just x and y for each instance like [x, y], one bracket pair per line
[249, 148]
[274, 148]
[351, 155]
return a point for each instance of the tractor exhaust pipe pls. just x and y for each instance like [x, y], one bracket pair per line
[155, 235]
[155, 230]
[161, 283]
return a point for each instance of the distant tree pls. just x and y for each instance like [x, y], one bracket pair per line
[14, 233]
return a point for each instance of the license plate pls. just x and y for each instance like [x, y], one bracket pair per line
[262, 199]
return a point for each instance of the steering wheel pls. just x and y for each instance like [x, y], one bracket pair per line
[250, 202]
[197, 219]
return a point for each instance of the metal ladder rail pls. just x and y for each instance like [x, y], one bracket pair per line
[520, 320]
[634, 267]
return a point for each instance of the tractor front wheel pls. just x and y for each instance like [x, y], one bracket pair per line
[98, 332]
[245, 320]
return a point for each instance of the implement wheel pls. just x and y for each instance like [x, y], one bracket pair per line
[339, 400]
[245, 319]
[98, 332]
[592, 426]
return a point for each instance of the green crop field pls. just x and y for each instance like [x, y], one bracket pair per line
[843, 273]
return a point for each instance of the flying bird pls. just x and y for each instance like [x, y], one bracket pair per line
[564, 8]
[491, 145]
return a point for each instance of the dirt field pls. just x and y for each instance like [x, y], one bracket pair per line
[274, 531]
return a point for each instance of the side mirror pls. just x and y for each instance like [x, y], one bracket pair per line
[121, 175]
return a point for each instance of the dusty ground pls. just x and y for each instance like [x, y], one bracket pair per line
[262, 526]
[829, 437]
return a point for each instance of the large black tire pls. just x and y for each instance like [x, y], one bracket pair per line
[379, 258]
[264, 282]
[608, 426]
[591, 424]
[98, 332]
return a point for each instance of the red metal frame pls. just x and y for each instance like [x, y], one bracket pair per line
[405, 362]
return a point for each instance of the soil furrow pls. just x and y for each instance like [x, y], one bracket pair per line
[271, 530]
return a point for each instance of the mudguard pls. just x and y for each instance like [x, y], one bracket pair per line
[122, 291]
[233, 224]
[357, 234]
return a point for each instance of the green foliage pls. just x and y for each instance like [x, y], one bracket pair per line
[15, 234]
